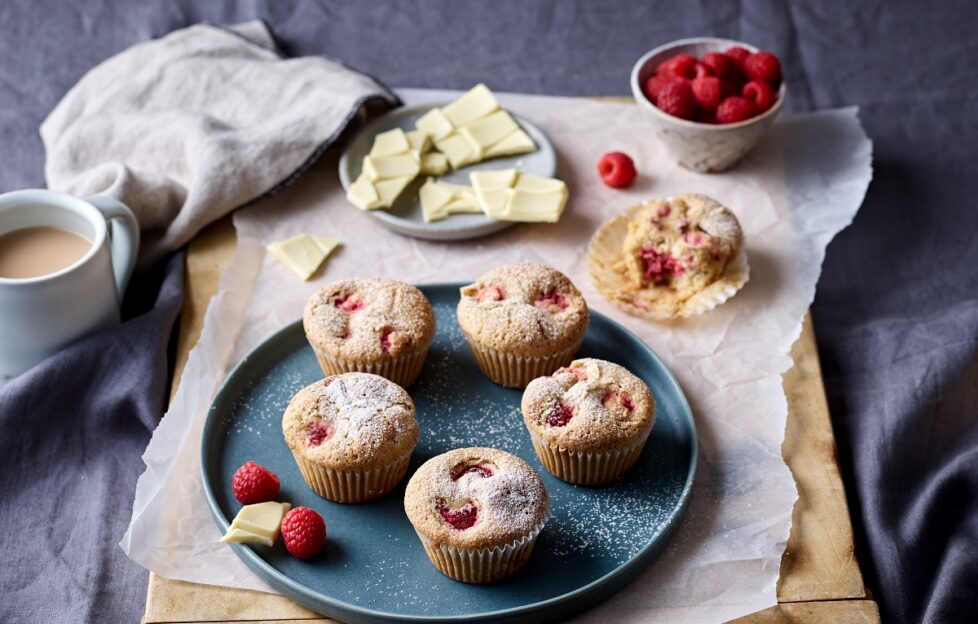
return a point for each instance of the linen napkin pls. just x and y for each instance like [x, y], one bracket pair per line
[185, 128]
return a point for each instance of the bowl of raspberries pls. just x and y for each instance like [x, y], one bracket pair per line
[711, 99]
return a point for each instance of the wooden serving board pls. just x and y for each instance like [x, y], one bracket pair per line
[820, 579]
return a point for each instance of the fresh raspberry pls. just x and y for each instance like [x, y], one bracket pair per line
[722, 65]
[739, 55]
[734, 109]
[677, 100]
[764, 66]
[703, 70]
[706, 92]
[253, 483]
[616, 170]
[655, 84]
[761, 94]
[682, 65]
[464, 469]
[304, 532]
[462, 518]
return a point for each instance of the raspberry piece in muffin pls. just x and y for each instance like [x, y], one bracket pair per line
[588, 428]
[373, 325]
[522, 321]
[676, 248]
[477, 511]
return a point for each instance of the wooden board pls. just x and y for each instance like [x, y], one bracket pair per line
[820, 579]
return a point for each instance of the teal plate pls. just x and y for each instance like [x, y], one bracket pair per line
[373, 568]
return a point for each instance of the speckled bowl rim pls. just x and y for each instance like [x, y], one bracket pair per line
[639, 94]
[581, 598]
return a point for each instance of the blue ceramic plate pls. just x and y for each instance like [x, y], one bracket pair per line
[374, 569]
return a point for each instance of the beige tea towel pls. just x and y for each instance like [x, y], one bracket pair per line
[185, 128]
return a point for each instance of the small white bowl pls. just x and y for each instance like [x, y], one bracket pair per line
[699, 146]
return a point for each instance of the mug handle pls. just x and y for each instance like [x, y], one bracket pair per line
[123, 237]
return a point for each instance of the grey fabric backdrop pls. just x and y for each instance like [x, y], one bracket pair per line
[896, 312]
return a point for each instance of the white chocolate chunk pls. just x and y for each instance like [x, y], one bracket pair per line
[326, 243]
[475, 104]
[390, 189]
[434, 195]
[518, 142]
[300, 254]
[464, 202]
[493, 180]
[492, 129]
[362, 194]
[418, 140]
[458, 151]
[387, 167]
[536, 184]
[257, 524]
[390, 143]
[529, 206]
[434, 163]
[441, 199]
[435, 124]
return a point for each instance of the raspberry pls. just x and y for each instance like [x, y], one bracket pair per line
[620, 398]
[734, 109]
[304, 532]
[763, 66]
[729, 87]
[703, 70]
[616, 170]
[761, 94]
[560, 415]
[722, 65]
[659, 266]
[682, 65]
[739, 55]
[492, 292]
[656, 83]
[461, 518]
[253, 483]
[706, 92]
[319, 432]
[385, 339]
[349, 303]
[464, 469]
[677, 100]
[552, 302]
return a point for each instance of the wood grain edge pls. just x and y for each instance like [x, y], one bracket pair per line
[819, 562]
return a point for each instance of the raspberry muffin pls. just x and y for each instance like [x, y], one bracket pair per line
[351, 435]
[477, 511]
[589, 422]
[670, 257]
[370, 325]
[522, 321]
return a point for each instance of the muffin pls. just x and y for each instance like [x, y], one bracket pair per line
[370, 325]
[589, 422]
[670, 257]
[351, 435]
[477, 511]
[522, 321]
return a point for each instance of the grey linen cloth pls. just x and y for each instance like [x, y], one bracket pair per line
[185, 128]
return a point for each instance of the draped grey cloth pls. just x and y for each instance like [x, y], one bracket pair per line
[896, 312]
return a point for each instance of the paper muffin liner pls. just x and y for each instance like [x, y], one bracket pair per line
[352, 486]
[481, 565]
[402, 369]
[515, 371]
[587, 468]
[605, 254]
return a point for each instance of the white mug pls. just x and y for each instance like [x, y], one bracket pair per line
[41, 315]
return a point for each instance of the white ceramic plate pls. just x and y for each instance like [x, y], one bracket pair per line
[405, 216]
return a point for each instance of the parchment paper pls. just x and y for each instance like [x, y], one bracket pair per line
[799, 188]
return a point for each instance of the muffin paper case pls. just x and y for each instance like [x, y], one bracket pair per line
[352, 486]
[605, 252]
[514, 371]
[583, 468]
[402, 370]
[481, 565]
